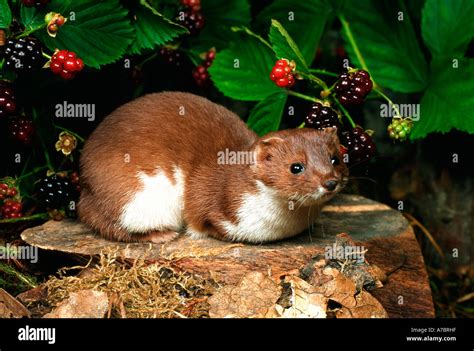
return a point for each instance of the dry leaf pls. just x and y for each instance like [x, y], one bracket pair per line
[82, 304]
[11, 307]
[254, 297]
[367, 306]
[304, 300]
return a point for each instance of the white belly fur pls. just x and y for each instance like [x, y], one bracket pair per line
[265, 217]
[157, 206]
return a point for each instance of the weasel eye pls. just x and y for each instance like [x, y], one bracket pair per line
[296, 168]
[335, 160]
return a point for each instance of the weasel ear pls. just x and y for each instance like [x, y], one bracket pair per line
[264, 149]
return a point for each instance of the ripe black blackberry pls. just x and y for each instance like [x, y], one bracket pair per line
[320, 117]
[353, 87]
[360, 145]
[22, 54]
[193, 20]
[7, 99]
[171, 56]
[22, 130]
[54, 192]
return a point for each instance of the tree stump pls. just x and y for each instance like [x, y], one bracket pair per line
[383, 231]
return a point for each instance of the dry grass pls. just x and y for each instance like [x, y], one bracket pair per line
[137, 289]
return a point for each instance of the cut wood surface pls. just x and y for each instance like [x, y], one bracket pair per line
[383, 231]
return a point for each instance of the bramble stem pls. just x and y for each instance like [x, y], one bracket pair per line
[323, 72]
[345, 112]
[302, 96]
[314, 79]
[350, 37]
[32, 30]
[390, 102]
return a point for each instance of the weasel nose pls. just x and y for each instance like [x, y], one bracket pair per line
[330, 184]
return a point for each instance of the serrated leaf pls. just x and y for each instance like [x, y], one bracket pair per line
[449, 100]
[388, 45]
[304, 21]
[265, 117]
[220, 17]
[5, 14]
[243, 70]
[30, 17]
[447, 26]
[152, 29]
[99, 34]
[285, 47]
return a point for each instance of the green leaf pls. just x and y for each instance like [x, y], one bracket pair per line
[243, 70]
[389, 46]
[304, 21]
[220, 17]
[285, 47]
[265, 117]
[99, 34]
[447, 26]
[30, 18]
[449, 100]
[152, 29]
[5, 14]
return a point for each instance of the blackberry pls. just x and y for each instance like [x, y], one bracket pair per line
[360, 145]
[37, 3]
[400, 128]
[22, 130]
[54, 192]
[282, 73]
[200, 73]
[353, 87]
[321, 117]
[22, 54]
[7, 99]
[171, 56]
[193, 20]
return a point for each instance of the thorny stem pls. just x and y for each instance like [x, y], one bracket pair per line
[390, 102]
[32, 30]
[344, 111]
[350, 37]
[323, 72]
[36, 170]
[45, 150]
[302, 96]
[314, 79]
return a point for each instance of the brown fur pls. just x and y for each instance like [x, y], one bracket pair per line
[154, 135]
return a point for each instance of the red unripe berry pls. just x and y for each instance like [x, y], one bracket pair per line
[282, 63]
[60, 21]
[66, 75]
[53, 28]
[79, 64]
[278, 72]
[56, 67]
[60, 56]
